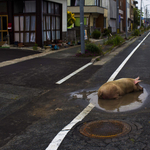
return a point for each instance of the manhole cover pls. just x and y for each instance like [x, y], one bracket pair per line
[105, 129]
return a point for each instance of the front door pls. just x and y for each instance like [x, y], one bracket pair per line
[3, 28]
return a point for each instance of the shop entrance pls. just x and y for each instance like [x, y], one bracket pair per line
[3, 28]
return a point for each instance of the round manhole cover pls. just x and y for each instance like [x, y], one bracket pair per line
[105, 129]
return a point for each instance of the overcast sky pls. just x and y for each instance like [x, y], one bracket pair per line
[144, 3]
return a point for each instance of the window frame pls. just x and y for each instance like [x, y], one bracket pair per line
[24, 28]
[51, 15]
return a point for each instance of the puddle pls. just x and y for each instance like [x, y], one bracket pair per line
[127, 102]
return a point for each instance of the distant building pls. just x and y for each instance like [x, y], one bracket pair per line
[95, 13]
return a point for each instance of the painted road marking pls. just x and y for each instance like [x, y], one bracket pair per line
[125, 61]
[61, 135]
[17, 60]
[72, 74]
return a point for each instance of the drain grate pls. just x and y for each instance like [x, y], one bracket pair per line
[105, 129]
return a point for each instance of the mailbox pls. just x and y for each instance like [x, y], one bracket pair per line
[10, 27]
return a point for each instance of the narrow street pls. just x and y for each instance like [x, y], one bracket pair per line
[34, 109]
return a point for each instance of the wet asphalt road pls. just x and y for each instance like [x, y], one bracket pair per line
[33, 109]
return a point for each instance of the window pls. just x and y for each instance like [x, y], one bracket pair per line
[24, 28]
[24, 6]
[30, 6]
[57, 9]
[51, 21]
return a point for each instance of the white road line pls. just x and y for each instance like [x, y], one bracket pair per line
[17, 60]
[61, 135]
[72, 74]
[125, 61]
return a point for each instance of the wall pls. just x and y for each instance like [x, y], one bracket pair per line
[113, 9]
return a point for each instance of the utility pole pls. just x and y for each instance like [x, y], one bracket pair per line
[126, 20]
[146, 16]
[141, 14]
[117, 5]
[82, 26]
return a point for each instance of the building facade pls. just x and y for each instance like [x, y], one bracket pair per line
[33, 21]
[95, 13]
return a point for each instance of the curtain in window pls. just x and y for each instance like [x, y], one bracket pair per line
[26, 37]
[57, 34]
[32, 37]
[52, 11]
[44, 28]
[57, 22]
[17, 37]
[91, 2]
[32, 23]
[53, 22]
[30, 6]
[53, 35]
[57, 8]
[45, 7]
[16, 23]
[27, 25]
[44, 36]
[49, 7]
[77, 2]
[21, 35]
[48, 35]
[21, 23]
[48, 25]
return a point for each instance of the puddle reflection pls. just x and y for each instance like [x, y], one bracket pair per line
[127, 102]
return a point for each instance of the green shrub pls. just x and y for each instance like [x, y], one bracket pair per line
[136, 32]
[110, 41]
[115, 40]
[35, 47]
[91, 47]
[106, 32]
[91, 50]
[96, 34]
[118, 40]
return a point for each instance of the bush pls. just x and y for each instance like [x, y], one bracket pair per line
[91, 47]
[91, 50]
[117, 40]
[96, 34]
[110, 41]
[106, 32]
[35, 47]
[136, 32]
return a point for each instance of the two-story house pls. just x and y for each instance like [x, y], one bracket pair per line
[95, 13]
[33, 21]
